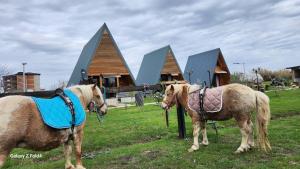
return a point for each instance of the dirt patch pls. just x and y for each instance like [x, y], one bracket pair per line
[283, 115]
[151, 154]
[149, 139]
[124, 160]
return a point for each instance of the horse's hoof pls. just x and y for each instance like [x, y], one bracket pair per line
[204, 143]
[193, 148]
[190, 150]
[242, 149]
[70, 167]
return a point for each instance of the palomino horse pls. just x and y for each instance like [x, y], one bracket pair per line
[239, 101]
[21, 125]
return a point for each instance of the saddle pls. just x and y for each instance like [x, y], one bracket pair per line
[205, 100]
[62, 111]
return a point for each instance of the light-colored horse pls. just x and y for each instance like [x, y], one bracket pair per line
[239, 101]
[22, 126]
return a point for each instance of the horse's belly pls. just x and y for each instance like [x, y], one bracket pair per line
[47, 142]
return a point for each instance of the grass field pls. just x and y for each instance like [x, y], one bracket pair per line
[138, 138]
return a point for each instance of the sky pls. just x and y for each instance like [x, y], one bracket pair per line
[49, 35]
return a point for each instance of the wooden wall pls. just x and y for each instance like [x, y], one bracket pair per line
[170, 66]
[107, 60]
[224, 78]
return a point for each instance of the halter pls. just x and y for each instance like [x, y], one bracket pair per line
[99, 113]
[169, 104]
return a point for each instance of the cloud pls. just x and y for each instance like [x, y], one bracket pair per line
[49, 35]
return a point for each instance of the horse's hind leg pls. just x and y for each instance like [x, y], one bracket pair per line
[3, 156]
[251, 136]
[68, 155]
[245, 131]
[2, 159]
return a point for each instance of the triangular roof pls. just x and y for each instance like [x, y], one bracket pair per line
[89, 51]
[199, 64]
[153, 66]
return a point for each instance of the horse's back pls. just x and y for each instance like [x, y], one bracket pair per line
[238, 97]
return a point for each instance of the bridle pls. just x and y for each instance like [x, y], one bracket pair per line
[99, 113]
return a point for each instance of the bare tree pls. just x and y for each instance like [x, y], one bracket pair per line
[59, 84]
[3, 72]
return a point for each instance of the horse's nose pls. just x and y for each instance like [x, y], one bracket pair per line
[163, 105]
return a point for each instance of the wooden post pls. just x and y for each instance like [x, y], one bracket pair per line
[167, 118]
[100, 80]
[118, 82]
[181, 122]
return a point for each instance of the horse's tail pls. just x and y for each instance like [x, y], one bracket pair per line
[262, 120]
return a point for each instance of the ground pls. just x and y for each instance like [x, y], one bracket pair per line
[138, 138]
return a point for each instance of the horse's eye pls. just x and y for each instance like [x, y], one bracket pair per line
[98, 97]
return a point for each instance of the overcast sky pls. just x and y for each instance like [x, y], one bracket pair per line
[49, 35]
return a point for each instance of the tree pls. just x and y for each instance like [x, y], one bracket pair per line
[59, 84]
[3, 72]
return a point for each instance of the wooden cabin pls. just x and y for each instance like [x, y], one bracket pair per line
[208, 67]
[103, 62]
[295, 74]
[159, 66]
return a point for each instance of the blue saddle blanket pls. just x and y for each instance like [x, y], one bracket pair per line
[55, 112]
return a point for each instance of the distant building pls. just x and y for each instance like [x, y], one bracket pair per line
[159, 66]
[295, 73]
[14, 83]
[208, 67]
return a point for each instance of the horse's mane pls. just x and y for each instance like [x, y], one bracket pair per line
[86, 90]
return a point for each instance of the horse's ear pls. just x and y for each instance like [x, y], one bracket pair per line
[172, 88]
[94, 86]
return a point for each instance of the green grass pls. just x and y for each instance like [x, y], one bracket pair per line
[138, 138]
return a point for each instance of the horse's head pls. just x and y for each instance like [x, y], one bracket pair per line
[98, 99]
[169, 99]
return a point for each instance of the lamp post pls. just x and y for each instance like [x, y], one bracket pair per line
[242, 63]
[24, 78]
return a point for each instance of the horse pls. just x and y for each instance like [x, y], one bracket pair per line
[239, 101]
[21, 125]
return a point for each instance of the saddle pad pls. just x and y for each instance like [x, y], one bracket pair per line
[56, 114]
[212, 100]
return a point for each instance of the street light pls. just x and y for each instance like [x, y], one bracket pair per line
[242, 63]
[24, 79]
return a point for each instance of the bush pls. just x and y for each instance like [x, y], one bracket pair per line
[268, 75]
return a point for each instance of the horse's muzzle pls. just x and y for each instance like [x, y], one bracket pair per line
[101, 112]
[164, 106]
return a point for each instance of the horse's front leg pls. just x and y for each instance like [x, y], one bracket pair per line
[203, 131]
[196, 129]
[68, 155]
[78, 142]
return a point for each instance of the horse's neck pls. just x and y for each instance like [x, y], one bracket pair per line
[84, 101]
[182, 95]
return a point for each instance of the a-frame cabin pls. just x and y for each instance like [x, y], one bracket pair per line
[208, 67]
[103, 62]
[159, 66]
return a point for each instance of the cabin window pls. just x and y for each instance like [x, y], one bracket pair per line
[110, 82]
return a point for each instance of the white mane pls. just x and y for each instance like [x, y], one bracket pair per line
[86, 91]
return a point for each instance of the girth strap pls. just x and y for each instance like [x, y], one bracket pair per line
[59, 92]
[201, 103]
